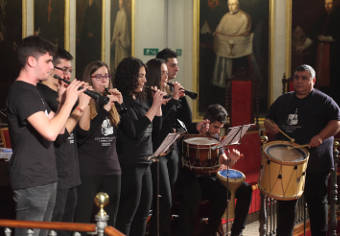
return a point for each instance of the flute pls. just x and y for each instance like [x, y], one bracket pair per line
[102, 100]
[153, 90]
[121, 108]
[190, 94]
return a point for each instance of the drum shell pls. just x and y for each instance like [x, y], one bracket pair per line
[282, 180]
[201, 158]
[232, 184]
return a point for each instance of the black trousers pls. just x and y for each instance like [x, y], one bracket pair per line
[65, 206]
[193, 189]
[315, 195]
[136, 199]
[168, 172]
[87, 191]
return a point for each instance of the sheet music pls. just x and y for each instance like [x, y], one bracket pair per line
[165, 145]
[235, 134]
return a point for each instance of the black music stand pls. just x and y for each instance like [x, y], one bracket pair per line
[161, 151]
[233, 137]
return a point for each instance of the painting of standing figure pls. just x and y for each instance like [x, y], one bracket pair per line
[233, 46]
[121, 31]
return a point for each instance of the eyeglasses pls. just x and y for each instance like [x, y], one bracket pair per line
[99, 76]
[65, 70]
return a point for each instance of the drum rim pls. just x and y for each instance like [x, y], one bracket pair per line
[276, 197]
[204, 137]
[291, 163]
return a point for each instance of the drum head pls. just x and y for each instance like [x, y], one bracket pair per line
[201, 141]
[281, 152]
[232, 174]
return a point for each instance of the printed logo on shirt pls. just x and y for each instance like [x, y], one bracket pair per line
[293, 119]
[70, 139]
[107, 128]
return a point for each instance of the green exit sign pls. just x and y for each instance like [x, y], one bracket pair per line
[150, 51]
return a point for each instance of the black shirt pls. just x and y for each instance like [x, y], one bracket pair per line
[97, 147]
[33, 162]
[65, 146]
[135, 133]
[304, 118]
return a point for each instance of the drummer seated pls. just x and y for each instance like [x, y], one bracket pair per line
[193, 188]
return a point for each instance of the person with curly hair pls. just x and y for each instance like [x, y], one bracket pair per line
[139, 125]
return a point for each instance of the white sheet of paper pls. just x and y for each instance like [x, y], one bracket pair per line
[165, 145]
[235, 134]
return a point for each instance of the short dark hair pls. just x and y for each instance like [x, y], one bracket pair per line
[126, 77]
[33, 46]
[216, 112]
[308, 68]
[166, 53]
[61, 53]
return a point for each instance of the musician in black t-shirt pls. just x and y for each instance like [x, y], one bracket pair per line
[193, 188]
[65, 145]
[97, 134]
[33, 129]
[310, 117]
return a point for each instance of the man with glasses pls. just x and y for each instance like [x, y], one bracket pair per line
[65, 145]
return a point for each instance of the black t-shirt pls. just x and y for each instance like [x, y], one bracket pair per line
[33, 162]
[304, 118]
[97, 147]
[65, 146]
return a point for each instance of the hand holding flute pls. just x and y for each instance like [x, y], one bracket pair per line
[117, 98]
[190, 94]
[96, 96]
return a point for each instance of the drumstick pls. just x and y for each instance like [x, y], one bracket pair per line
[299, 146]
[287, 136]
[280, 130]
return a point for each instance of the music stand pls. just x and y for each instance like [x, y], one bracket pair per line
[233, 137]
[161, 151]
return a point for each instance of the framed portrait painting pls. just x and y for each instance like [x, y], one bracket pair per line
[316, 41]
[120, 39]
[233, 55]
[89, 33]
[49, 20]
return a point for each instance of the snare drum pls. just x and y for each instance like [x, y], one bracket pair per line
[199, 155]
[283, 170]
[231, 179]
